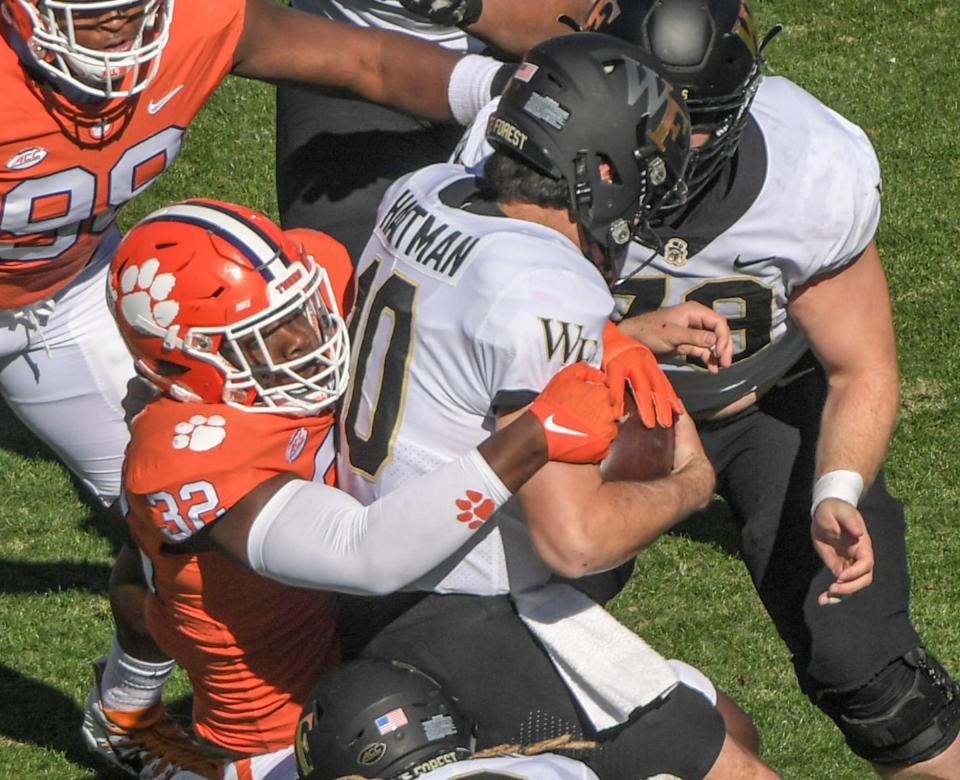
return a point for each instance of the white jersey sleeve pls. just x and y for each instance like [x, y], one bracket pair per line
[822, 191]
[473, 147]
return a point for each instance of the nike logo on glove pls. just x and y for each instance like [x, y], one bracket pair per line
[155, 105]
[555, 427]
[738, 263]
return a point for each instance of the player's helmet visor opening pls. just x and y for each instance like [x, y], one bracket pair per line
[56, 41]
[293, 357]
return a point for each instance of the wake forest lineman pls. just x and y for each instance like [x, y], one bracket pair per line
[775, 231]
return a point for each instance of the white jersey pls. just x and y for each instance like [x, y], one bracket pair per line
[462, 312]
[805, 201]
[390, 15]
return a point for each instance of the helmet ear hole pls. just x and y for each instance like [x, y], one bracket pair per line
[608, 171]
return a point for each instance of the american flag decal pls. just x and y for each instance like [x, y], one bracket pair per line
[525, 72]
[391, 721]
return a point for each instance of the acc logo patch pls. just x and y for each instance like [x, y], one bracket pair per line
[297, 442]
[26, 158]
[371, 754]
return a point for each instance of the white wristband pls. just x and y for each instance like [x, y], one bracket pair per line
[469, 89]
[843, 484]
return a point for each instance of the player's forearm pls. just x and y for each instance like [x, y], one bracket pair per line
[516, 26]
[283, 44]
[600, 528]
[516, 452]
[858, 420]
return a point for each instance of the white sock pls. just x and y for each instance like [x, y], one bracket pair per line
[131, 684]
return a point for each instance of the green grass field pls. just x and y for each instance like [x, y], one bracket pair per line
[890, 67]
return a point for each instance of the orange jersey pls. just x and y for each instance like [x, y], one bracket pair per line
[65, 172]
[252, 647]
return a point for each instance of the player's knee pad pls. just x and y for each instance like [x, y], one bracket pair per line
[908, 713]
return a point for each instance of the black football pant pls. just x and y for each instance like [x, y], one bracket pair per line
[482, 654]
[764, 459]
[336, 156]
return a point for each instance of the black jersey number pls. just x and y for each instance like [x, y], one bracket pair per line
[392, 305]
[752, 300]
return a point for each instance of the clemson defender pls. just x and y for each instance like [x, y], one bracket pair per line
[227, 476]
[97, 97]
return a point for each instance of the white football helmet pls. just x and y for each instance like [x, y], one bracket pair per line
[48, 29]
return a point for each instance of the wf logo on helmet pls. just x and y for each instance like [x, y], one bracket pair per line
[746, 27]
[602, 13]
[643, 83]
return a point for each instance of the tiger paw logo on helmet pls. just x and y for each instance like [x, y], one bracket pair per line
[144, 296]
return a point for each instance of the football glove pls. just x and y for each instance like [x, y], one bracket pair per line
[577, 412]
[628, 363]
[451, 13]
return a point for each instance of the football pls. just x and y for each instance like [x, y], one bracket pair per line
[638, 453]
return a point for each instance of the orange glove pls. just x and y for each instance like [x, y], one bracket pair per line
[628, 362]
[578, 413]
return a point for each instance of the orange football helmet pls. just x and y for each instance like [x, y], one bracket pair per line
[218, 305]
[45, 38]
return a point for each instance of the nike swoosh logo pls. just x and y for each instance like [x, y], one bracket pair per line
[738, 263]
[155, 105]
[555, 427]
[784, 381]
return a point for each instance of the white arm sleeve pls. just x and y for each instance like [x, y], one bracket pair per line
[309, 534]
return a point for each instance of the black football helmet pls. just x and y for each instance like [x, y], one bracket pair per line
[709, 50]
[590, 109]
[384, 719]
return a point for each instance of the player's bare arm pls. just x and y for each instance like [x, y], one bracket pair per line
[847, 320]
[580, 524]
[283, 44]
[689, 329]
[515, 27]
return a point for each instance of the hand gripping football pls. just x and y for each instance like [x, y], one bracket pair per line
[638, 453]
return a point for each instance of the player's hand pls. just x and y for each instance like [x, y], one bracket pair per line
[841, 539]
[626, 360]
[690, 329]
[577, 412]
[451, 13]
